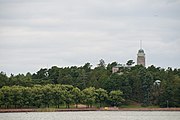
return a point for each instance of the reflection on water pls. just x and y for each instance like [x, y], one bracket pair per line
[94, 115]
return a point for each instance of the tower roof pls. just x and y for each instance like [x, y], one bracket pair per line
[141, 51]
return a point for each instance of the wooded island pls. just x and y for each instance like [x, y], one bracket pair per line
[97, 87]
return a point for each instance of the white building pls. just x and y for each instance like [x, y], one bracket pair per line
[116, 68]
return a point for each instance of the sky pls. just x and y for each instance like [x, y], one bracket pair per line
[38, 34]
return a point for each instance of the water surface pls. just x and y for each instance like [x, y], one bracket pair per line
[93, 115]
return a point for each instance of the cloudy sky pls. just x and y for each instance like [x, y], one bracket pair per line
[41, 33]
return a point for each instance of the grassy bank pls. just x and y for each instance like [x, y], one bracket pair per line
[138, 106]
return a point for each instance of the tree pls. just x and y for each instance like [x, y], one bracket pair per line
[89, 96]
[77, 96]
[67, 80]
[81, 80]
[7, 98]
[3, 79]
[97, 77]
[142, 85]
[101, 96]
[37, 94]
[53, 74]
[41, 74]
[102, 63]
[130, 62]
[27, 99]
[146, 86]
[68, 98]
[58, 95]
[169, 96]
[47, 95]
[177, 91]
[68, 95]
[87, 67]
[110, 66]
[115, 98]
[17, 96]
[1, 98]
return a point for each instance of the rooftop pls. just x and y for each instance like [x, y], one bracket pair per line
[141, 51]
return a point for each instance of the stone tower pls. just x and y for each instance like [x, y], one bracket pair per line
[141, 57]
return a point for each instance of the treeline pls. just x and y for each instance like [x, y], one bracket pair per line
[137, 83]
[56, 96]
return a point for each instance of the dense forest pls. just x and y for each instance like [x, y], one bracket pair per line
[92, 86]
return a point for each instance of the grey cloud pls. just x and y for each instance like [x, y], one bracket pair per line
[39, 33]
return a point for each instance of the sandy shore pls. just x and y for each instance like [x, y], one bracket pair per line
[88, 109]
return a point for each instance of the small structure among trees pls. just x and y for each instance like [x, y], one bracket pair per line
[120, 67]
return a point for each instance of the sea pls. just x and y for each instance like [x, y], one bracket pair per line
[93, 115]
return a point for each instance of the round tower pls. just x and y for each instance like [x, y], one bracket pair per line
[141, 57]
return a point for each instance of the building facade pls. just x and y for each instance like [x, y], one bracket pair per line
[141, 58]
[118, 68]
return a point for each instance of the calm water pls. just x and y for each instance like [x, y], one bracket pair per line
[95, 115]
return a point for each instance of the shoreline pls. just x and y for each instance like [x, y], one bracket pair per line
[86, 109]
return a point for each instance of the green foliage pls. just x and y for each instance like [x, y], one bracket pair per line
[147, 82]
[101, 63]
[101, 96]
[110, 66]
[27, 96]
[7, 97]
[37, 95]
[89, 96]
[58, 95]
[77, 95]
[68, 96]
[115, 98]
[3, 79]
[1, 98]
[52, 95]
[17, 99]
[170, 96]
[130, 62]
[73, 85]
